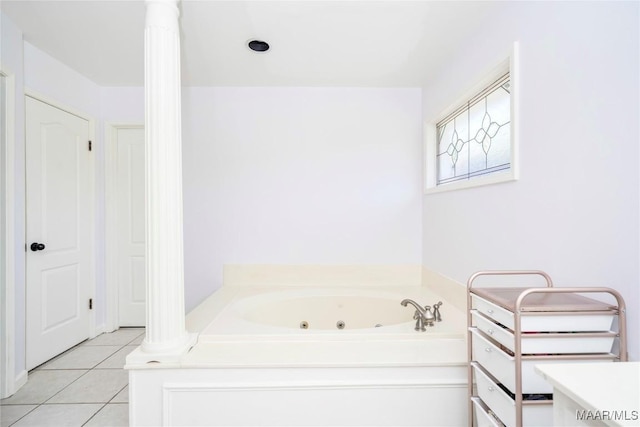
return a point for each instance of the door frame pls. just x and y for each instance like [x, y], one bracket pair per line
[111, 220]
[92, 329]
[10, 384]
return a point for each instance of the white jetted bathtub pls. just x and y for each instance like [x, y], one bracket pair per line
[322, 310]
[332, 313]
[276, 356]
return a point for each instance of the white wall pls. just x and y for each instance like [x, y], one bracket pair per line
[122, 105]
[299, 176]
[51, 78]
[293, 176]
[574, 213]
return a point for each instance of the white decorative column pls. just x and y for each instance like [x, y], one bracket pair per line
[166, 338]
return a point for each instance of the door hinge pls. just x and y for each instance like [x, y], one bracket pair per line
[89, 145]
[90, 303]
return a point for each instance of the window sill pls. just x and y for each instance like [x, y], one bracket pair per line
[496, 178]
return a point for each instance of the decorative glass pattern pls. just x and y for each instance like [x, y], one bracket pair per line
[475, 139]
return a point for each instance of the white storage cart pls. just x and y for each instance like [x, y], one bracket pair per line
[511, 329]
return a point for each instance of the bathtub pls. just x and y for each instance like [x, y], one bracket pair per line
[311, 355]
[335, 313]
[320, 310]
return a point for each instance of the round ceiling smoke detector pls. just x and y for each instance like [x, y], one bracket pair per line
[258, 46]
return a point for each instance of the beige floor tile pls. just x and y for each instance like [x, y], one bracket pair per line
[120, 337]
[42, 385]
[58, 416]
[118, 359]
[12, 413]
[82, 357]
[97, 386]
[122, 397]
[138, 340]
[112, 415]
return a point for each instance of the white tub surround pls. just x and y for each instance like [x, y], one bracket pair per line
[586, 394]
[326, 396]
[166, 337]
[254, 365]
[245, 370]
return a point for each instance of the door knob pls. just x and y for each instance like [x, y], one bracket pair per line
[37, 246]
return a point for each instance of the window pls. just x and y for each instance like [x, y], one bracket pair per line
[475, 139]
[473, 142]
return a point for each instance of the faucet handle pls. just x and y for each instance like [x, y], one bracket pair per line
[436, 311]
[428, 316]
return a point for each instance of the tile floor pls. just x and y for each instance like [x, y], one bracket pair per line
[84, 386]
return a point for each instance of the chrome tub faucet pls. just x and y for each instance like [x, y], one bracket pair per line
[424, 316]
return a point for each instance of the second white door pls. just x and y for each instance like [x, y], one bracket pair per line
[131, 227]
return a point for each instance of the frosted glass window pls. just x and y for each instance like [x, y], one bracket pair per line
[475, 139]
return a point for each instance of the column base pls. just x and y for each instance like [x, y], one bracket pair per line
[144, 357]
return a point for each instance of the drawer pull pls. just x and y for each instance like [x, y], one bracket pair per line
[490, 388]
[489, 311]
[490, 331]
[488, 349]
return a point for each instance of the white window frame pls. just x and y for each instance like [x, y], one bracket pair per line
[430, 135]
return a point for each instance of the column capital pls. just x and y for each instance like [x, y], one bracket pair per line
[163, 2]
[162, 13]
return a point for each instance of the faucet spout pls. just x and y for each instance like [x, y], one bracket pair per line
[422, 314]
[418, 307]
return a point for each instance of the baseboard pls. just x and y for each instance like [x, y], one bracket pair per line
[99, 330]
[20, 380]
[13, 384]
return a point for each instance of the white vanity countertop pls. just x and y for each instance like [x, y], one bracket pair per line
[599, 387]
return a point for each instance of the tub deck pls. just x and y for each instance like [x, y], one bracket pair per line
[381, 353]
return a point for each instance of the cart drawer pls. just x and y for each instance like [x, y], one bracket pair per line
[568, 343]
[536, 415]
[483, 416]
[503, 366]
[547, 322]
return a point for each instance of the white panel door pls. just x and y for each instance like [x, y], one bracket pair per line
[59, 231]
[131, 227]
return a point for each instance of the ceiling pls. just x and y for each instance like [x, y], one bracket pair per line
[313, 43]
